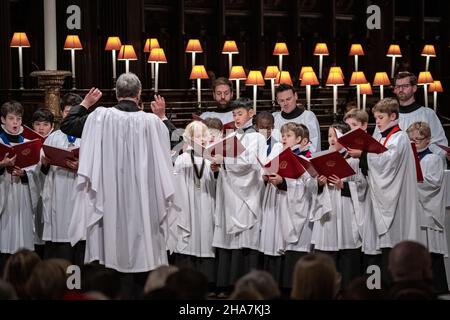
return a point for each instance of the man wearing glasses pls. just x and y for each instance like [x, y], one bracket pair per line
[410, 111]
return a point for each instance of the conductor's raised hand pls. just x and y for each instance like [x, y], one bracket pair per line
[91, 98]
[158, 106]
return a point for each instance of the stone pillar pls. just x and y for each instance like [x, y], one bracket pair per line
[52, 81]
[51, 56]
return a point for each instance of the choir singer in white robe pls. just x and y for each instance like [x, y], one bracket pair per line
[124, 186]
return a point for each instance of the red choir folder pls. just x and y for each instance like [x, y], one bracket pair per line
[230, 146]
[229, 126]
[286, 164]
[331, 162]
[28, 153]
[59, 156]
[30, 134]
[308, 166]
[361, 140]
[445, 148]
[196, 117]
[419, 173]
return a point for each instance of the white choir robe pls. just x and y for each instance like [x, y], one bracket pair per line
[307, 118]
[225, 117]
[393, 190]
[239, 193]
[432, 192]
[429, 116]
[17, 211]
[338, 219]
[124, 190]
[285, 215]
[369, 231]
[58, 194]
[194, 229]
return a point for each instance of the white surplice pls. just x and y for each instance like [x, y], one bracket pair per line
[124, 190]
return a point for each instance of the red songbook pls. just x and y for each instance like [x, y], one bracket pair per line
[229, 146]
[196, 117]
[445, 148]
[419, 173]
[28, 153]
[59, 156]
[229, 126]
[331, 162]
[361, 140]
[30, 134]
[308, 166]
[286, 164]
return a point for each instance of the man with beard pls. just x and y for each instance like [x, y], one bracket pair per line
[222, 93]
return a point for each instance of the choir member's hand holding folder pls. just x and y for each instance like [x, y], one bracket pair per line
[286, 164]
[59, 157]
[27, 153]
[358, 139]
[327, 163]
[230, 146]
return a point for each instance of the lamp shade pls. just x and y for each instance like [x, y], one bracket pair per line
[366, 89]
[337, 69]
[425, 78]
[157, 55]
[436, 86]
[309, 78]
[303, 70]
[230, 47]
[321, 49]
[283, 77]
[356, 50]
[194, 46]
[280, 49]
[335, 78]
[358, 77]
[271, 72]
[255, 78]
[428, 50]
[72, 42]
[19, 39]
[237, 73]
[198, 72]
[151, 43]
[127, 53]
[113, 43]
[381, 79]
[394, 51]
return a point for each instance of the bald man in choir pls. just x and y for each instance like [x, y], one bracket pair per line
[124, 187]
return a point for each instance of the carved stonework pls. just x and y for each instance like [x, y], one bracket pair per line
[52, 81]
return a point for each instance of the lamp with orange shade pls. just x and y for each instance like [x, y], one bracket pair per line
[425, 79]
[280, 50]
[393, 51]
[428, 51]
[255, 79]
[193, 46]
[157, 56]
[271, 74]
[20, 40]
[356, 50]
[303, 70]
[358, 78]
[321, 50]
[337, 69]
[198, 72]
[127, 53]
[237, 73]
[73, 43]
[230, 48]
[283, 77]
[435, 87]
[366, 89]
[309, 79]
[113, 44]
[335, 79]
[150, 44]
[381, 79]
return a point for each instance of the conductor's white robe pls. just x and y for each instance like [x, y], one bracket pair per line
[124, 190]
[58, 194]
[393, 191]
[240, 189]
[432, 192]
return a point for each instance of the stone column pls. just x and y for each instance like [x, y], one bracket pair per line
[51, 56]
